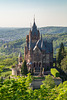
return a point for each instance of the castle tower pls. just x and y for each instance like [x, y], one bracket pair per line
[34, 33]
[19, 58]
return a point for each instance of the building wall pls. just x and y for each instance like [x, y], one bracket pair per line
[14, 71]
[36, 83]
[38, 59]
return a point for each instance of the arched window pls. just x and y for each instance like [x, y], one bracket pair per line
[34, 64]
[40, 64]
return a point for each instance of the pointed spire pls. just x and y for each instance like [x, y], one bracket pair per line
[34, 22]
[34, 18]
[34, 25]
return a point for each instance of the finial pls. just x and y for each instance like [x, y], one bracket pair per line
[34, 18]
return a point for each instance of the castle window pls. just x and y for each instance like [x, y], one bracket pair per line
[34, 64]
[40, 64]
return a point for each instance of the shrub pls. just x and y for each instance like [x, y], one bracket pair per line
[55, 72]
[48, 82]
[24, 70]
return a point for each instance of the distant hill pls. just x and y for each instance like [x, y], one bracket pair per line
[18, 45]
[11, 34]
[12, 40]
[53, 30]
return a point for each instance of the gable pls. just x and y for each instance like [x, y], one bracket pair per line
[36, 50]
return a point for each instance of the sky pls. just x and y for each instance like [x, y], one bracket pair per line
[20, 13]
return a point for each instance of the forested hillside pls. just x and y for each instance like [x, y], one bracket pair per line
[13, 47]
[11, 34]
[18, 45]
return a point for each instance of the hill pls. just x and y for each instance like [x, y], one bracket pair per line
[12, 40]
[18, 45]
[53, 30]
[11, 34]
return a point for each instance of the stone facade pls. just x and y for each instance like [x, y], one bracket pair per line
[38, 52]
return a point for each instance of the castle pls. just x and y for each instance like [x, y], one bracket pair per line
[16, 69]
[38, 53]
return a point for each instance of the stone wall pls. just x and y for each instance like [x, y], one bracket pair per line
[37, 82]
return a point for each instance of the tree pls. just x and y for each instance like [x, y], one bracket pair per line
[49, 82]
[64, 64]
[16, 89]
[24, 69]
[61, 53]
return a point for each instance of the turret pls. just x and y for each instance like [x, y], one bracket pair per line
[35, 35]
[20, 58]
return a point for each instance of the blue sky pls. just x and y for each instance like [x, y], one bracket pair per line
[20, 13]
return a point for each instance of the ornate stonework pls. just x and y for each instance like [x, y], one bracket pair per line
[38, 52]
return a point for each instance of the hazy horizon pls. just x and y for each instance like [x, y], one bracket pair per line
[30, 27]
[20, 13]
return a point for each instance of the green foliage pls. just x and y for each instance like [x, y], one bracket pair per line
[15, 89]
[64, 64]
[61, 53]
[55, 72]
[6, 74]
[49, 82]
[19, 89]
[13, 47]
[24, 70]
[6, 62]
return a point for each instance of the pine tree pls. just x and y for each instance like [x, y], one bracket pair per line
[61, 53]
[24, 70]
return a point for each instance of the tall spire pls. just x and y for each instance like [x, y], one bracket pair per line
[34, 18]
[34, 27]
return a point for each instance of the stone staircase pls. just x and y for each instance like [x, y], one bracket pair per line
[37, 71]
